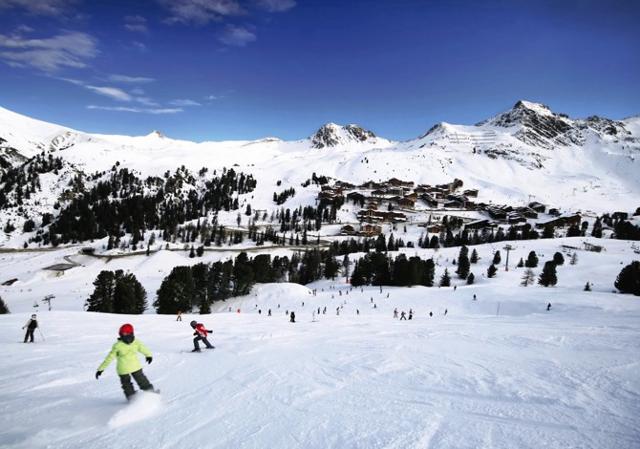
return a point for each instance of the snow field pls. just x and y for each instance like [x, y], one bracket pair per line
[525, 378]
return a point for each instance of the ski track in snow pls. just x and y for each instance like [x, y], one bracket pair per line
[471, 379]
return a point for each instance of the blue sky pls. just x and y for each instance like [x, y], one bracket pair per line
[245, 69]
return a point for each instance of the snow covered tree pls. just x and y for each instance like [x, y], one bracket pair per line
[445, 280]
[558, 258]
[528, 277]
[520, 263]
[532, 260]
[628, 281]
[464, 265]
[474, 256]
[491, 271]
[497, 258]
[470, 279]
[3, 307]
[548, 277]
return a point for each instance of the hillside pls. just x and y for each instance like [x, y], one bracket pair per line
[524, 154]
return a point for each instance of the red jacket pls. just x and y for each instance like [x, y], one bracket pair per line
[201, 330]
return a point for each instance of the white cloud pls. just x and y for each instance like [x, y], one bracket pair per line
[212, 97]
[137, 24]
[69, 49]
[237, 36]
[276, 5]
[139, 46]
[136, 110]
[40, 7]
[112, 92]
[201, 12]
[130, 79]
[184, 102]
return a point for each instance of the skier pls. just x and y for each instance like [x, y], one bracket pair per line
[128, 365]
[179, 315]
[292, 317]
[445, 311]
[455, 288]
[410, 314]
[430, 314]
[395, 313]
[324, 311]
[31, 327]
[474, 297]
[200, 335]
[313, 316]
[402, 316]
[269, 312]
[548, 308]
[357, 311]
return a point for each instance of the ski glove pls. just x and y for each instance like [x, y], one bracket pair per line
[98, 374]
[149, 360]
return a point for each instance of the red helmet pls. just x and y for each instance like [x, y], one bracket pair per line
[126, 329]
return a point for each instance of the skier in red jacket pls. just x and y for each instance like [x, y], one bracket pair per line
[200, 335]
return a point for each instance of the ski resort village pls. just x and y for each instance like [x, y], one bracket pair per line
[421, 284]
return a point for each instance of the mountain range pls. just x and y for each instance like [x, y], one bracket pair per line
[526, 153]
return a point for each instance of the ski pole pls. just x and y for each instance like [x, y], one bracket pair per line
[41, 334]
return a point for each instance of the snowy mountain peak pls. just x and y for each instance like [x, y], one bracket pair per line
[156, 134]
[331, 135]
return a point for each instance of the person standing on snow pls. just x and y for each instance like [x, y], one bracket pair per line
[200, 335]
[403, 316]
[31, 327]
[395, 313]
[292, 317]
[126, 351]
[179, 315]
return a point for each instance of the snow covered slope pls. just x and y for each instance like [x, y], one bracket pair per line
[525, 153]
[499, 372]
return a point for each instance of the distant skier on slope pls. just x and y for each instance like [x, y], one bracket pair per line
[31, 327]
[403, 315]
[126, 351]
[292, 317]
[548, 308]
[200, 335]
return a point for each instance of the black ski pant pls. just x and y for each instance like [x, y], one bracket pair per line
[29, 335]
[204, 340]
[141, 380]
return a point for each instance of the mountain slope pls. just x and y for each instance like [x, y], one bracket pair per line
[525, 153]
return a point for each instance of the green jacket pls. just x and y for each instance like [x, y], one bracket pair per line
[127, 356]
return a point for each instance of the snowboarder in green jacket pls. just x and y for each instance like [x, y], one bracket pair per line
[126, 351]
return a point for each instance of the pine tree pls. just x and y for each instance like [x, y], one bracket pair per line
[192, 253]
[129, 296]
[101, 300]
[548, 277]
[470, 279]
[520, 263]
[497, 258]
[445, 280]
[175, 292]
[491, 271]
[464, 265]
[528, 277]
[532, 260]
[474, 256]
[3, 307]
[558, 258]
[587, 287]
[628, 281]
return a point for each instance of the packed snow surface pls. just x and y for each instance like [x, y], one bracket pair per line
[499, 372]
